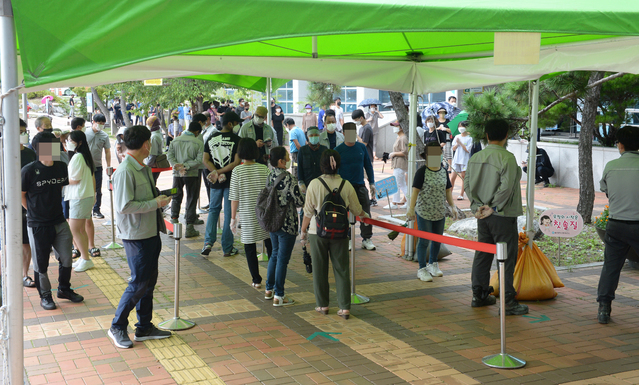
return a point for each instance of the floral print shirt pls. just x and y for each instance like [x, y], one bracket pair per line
[288, 191]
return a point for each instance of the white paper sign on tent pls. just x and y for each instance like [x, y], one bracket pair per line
[512, 48]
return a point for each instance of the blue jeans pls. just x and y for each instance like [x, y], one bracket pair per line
[215, 207]
[283, 244]
[435, 227]
[142, 256]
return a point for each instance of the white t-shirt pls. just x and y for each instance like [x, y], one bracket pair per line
[339, 116]
[78, 170]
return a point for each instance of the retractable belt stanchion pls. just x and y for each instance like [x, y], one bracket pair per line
[355, 298]
[502, 360]
[113, 245]
[177, 323]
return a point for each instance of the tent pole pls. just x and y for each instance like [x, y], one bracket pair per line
[412, 157]
[13, 196]
[315, 56]
[25, 103]
[532, 160]
[269, 96]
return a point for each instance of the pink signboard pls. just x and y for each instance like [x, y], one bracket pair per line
[561, 223]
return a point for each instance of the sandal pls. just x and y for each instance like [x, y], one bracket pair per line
[322, 310]
[282, 301]
[256, 285]
[75, 253]
[28, 282]
[268, 294]
[344, 313]
[95, 252]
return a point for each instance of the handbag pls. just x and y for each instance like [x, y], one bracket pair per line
[161, 161]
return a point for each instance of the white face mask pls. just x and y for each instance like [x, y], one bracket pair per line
[24, 138]
[278, 110]
[358, 123]
[331, 127]
[308, 110]
[84, 129]
[396, 129]
[258, 120]
[430, 124]
[462, 130]
[236, 128]
[99, 127]
[71, 146]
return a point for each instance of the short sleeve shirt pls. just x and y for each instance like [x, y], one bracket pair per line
[222, 147]
[433, 136]
[366, 133]
[97, 141]
[43, 186]
[297, 133]
[432, 194]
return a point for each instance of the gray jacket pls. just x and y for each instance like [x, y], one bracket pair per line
[248, 131]
[135, 204]
[339, 139]
[188, 150]
[156, 148]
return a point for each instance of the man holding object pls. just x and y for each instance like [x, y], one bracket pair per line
[492, 185]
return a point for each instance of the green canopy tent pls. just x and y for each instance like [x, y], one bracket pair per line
[414, 46]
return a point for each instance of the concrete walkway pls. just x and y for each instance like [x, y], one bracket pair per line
[410, 332]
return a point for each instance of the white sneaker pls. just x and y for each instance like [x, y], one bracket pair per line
[74, 264]
[404, 206]
[424, 275]
[368, 244]
[433, 269]
[349, 245]
[84, 265]
[393, 206]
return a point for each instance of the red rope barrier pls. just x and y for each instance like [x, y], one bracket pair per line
[161, 169]
[473, 245]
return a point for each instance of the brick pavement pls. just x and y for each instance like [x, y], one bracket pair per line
[411, 331]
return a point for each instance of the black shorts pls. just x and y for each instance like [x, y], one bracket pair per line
[25, 235]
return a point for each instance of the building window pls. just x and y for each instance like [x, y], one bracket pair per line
[284, 97]
[349, 99]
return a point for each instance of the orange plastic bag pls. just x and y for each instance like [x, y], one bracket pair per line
[535, 277]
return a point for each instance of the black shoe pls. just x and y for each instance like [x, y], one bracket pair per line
[206, 250]
[373, 202]
[120, 338]
[70, 295]
[482, 297]
[513, 307]
[98, 215]
[204, 207]
[603, 314]
[152, 333]
[47, 302]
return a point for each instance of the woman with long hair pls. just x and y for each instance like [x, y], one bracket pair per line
[81, 196]
[247, 180]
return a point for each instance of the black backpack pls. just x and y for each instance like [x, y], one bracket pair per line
[332, 218]
[270, 215]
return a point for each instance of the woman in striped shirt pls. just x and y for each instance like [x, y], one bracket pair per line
[247, 180]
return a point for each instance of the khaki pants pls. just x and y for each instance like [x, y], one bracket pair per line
[337, 250]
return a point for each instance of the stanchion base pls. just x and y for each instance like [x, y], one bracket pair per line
[263, 257]
[112, 246]
[359, 299]
[176, 324]
[503, 361]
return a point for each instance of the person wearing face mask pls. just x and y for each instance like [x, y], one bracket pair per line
[42, 183]
[185, 155]
[452, 100]
[27, 156]
[153, 123]
[432, 134]
[441, 123]
[240, 106]
[364, 131]
[462, 144]
[330, 137]
[220, 158]
[399, 164]
[492, 184]
[372, 117]
[620, 182]
[355, 160]
[297, 140]
[277, 121]
[246, 114]
[99, 142]
[339, 115]
[81, 195]
[139, 223]
[320, 118]
[263, 134]
[309, 119]
[431, 187]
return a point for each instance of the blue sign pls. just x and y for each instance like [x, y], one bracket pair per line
[386, 187]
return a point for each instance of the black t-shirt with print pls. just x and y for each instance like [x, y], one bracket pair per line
[222, 147]
[27, 156]
[43, 186]
[432, 136]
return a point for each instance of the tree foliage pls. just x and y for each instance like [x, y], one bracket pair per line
[322, 94]
[491, 104]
